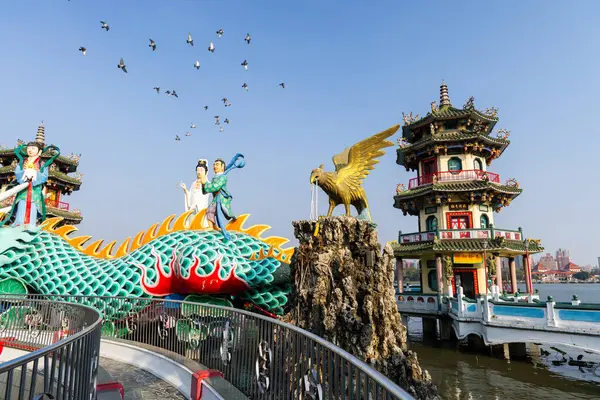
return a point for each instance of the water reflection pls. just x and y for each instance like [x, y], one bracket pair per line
[463, 375]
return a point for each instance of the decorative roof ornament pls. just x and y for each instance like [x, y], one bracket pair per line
[409, 118]
[40, 136]
[512, 182]
[400, 188]
[444, 97]
[470, 104]
[503, 134]
[491, 112]
[402, 142]
[434, 107]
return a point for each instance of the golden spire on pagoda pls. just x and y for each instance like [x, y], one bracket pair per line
[40, 136]
[444, 97]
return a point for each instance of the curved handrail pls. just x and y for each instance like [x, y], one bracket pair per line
[377, 377]
[36, 354]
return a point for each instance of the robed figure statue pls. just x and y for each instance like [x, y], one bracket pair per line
[219, 210]
[29, 206]
[195, 198]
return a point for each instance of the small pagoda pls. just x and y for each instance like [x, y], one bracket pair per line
[454, 197]
[63, 179]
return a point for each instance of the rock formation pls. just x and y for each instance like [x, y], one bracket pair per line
[343, 291]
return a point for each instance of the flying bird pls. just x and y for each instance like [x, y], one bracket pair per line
[211, 47]
[217, 122]
[245, 65]
[245, 86]
[157, 88]
[344, 186]
[82, 50]
[197, 64]
[187, 134]
[205, 108]
[220, 33]
[175, 94]
[226, 121]
[177, 137]
[221, 129]
[282, 84]
[104, 26]
[168, 92]
[193, 126]
[190, 40]
[152, 44]
[227, 103]
[224, 100]
[248, 38]
[122, 65]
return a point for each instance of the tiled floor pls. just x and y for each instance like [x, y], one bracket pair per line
[138, 383]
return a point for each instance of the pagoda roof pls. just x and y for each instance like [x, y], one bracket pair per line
[466, 186]
[69, 216]
[453, 136]
[66, 160]
[52, 174]
[448, 113]
[465, 245]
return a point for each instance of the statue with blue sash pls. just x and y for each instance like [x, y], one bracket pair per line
[219, 210]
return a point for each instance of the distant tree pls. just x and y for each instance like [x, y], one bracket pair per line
[595, 271]
[411, 274]
[582, 276]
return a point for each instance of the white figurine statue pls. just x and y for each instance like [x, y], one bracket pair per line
[195, 199]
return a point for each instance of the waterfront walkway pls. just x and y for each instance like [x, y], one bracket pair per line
[502, 320]
[138, 383]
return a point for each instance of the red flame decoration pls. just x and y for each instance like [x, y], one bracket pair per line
[172, 282]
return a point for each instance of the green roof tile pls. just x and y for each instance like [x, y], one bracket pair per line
[466, 186]
[52, 174]
[464, 245]
[46, 155]
[70, 216]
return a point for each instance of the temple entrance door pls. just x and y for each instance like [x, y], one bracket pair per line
[467, 278]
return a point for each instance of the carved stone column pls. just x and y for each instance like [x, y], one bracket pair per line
[513, 274]
[439, 272]
[400, 274]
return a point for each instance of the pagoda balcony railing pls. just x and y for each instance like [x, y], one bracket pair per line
[57, 204]
[454, 176]
[450, 234]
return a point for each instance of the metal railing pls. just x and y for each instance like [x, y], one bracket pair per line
[261, 356]
[454, 176]
[62, 342]
[444, 234]
[61, 205]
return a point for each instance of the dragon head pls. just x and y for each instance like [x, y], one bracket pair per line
[316, 174]
[18, 238]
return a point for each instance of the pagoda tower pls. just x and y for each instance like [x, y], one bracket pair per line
[454, 197]
[63, 179]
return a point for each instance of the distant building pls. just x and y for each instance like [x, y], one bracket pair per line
[598, 262]
[562, 259]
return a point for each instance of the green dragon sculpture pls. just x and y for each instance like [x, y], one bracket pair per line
[175, 257]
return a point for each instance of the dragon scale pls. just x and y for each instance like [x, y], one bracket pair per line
[177, 259]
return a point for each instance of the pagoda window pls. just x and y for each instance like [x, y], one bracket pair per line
[432, 280]
[484, 221]
[454, 164]
[477, 164]
[431, 224]
[450, 125]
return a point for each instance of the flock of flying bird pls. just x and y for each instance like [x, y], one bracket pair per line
[211, 48]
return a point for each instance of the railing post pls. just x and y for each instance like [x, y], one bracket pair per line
[550, 315]
[486, 309]
[459, 298]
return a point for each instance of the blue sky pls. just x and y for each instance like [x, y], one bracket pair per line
[350, 68]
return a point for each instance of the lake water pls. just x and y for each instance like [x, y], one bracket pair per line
[465, 376]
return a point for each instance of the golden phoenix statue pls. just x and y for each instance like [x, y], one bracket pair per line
[344, 186]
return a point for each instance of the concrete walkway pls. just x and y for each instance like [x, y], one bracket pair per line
[139, 384]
